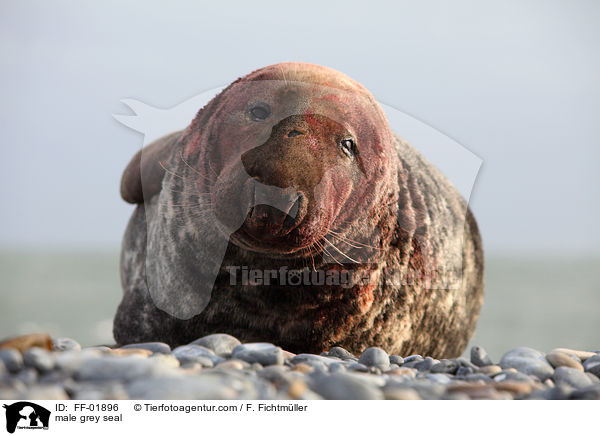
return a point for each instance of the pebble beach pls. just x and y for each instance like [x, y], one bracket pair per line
[37, 367]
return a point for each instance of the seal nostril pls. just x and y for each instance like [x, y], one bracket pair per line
[294, 132]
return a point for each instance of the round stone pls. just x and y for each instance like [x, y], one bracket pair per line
[572, 377]
[296, 389]
[401, 394]
[340, 353]
[49, 392]
[39, 358]
[445, 365]
[139, 352]
[403, 372]
[528, 361]
[412, 358]
[189, 354]
[259, 352]
[182, 388]
[464, 371]
[222, 344]
[477, 377]
[515, 387]
[588, 393]
[490, 369]
[345, 386]
[592, 365]
[581, 355]
[558, 358]
[442, 379]
[375, 356]
[12, 359]
[303, 368]
[425, 365]
[513, 376]
[232, 364]
[65, 344]
[337, 367]
[593, 378]
[466, 363]
[167, 360]
[154, 347]
[395, 359]
[128, 368]
[317, 362]
[480, 357]
[358, 367]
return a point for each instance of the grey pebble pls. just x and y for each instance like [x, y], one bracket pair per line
[445, 366]
[28, 376]
[425, 388]
[222, 344]
[65, 344]
[70, 361]
[528, 361]
[155, 347]
[346, 386]
[358, 367]
[181, 388]
[461, 361]
[412, 358]
[341, 353]
[278, 374]
[477, 377]
[38, 358]
[46, 392]
[96, 391]
[592, 377]
[53, 377]
[9, 382]
[480, 357]
[197, 363]
[588, 393]
[439, 378]
[314, 360]
[395, 359]
[425, 365]
[562, 392]
[513, 376]
[571, 377]
[593, 365]
[259, 352]
[337, 367]
[12, 359]
[120, 368]
[375, 356]
[464, 371]
[9, 394]
[189, 354]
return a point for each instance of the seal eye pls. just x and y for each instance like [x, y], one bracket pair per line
[348, 147]
[260, 112]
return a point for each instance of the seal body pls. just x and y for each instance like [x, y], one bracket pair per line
[288, 212]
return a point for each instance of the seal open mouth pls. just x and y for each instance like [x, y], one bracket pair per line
[273, 212]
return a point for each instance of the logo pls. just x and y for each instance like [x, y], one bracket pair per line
[26, 415]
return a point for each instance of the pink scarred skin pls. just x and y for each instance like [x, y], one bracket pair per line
[372, 207]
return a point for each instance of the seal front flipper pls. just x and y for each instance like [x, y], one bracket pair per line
[143, 176]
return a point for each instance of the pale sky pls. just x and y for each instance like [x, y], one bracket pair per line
[517, 84]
